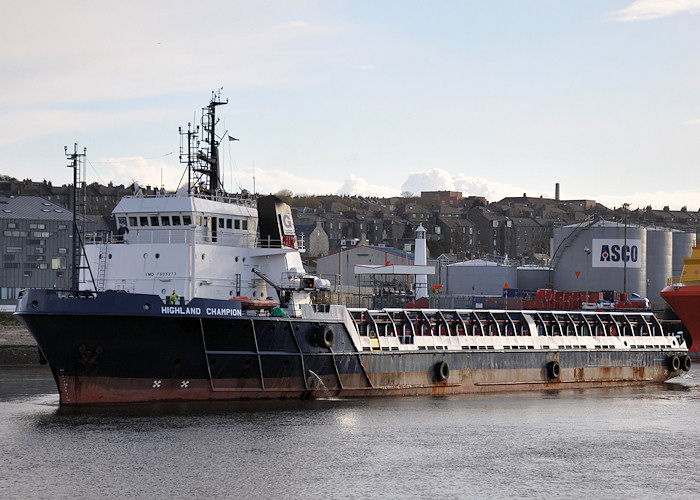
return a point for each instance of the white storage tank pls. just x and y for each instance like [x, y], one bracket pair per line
[683, 244]
[600, 256]
[480, 277]
[659, 260]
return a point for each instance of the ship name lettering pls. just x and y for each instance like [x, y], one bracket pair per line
[218, 311]
[180, 310]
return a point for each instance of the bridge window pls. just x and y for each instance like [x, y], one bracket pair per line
[176, 220]
[164, 220]
[186, 220]
[237, 224]
[154, 220]
[143, 221]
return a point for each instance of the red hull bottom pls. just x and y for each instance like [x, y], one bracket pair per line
[101, 390]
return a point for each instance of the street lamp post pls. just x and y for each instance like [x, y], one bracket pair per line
[625, 255]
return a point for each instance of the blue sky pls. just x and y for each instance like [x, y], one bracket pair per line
[494, 98]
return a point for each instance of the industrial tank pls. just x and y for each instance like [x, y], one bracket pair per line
[600, 256]
[659, 260]
[480, 277]
[683, 244]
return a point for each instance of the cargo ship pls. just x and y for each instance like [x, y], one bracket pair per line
[202, 295]
[683, 296]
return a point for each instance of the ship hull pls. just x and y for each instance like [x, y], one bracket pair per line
[685, 302]
[119, 348]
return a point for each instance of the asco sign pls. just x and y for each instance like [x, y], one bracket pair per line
[615, 253]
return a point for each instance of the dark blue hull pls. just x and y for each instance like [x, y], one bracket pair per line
[115, 347]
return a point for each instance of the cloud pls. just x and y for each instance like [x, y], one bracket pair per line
[118, 55]
[644, 10]
[357, 186]
[17, 126]
[438, 179]
[657, 199]
[145, 171]
[274, 180]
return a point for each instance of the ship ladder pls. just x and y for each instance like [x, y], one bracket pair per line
[102, 266]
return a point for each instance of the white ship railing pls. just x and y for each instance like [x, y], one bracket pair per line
[231, 199]
[187, 236]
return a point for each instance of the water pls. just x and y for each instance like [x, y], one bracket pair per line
[614, 443]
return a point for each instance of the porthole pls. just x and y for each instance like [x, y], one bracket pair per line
[145, 256]
[236, 259]
[147, 307]
[157, 256]
[164, 291]
[243, 259]
[109, 256]
[202, 256]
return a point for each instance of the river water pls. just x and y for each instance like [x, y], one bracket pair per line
[641, 442]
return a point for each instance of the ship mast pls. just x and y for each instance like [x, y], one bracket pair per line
[76, 159]
[203, 161]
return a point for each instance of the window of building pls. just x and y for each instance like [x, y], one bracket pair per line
[8, 257]
[59, 274]
[58, 263]
[11, 265]
[43, 266]
[11, 225]
[62, 250]
[13, 249]
[27, 274]
[61, 227]
[39, 250]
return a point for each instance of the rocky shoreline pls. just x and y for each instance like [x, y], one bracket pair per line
[17, 347]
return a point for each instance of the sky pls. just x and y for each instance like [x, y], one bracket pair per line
[374, 98]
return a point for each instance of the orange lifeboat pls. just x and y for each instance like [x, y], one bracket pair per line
[250, 304]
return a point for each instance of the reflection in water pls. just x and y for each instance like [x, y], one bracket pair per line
[633, 441]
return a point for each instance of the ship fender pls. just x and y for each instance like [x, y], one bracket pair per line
[686, 362]
[323, 336]
[674, 363]
[553, 370]
[442, 371]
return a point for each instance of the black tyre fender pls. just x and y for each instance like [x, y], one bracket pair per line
[674, 363]
[442, 371]
[553, 370]
[323, 336]
[686, 362]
